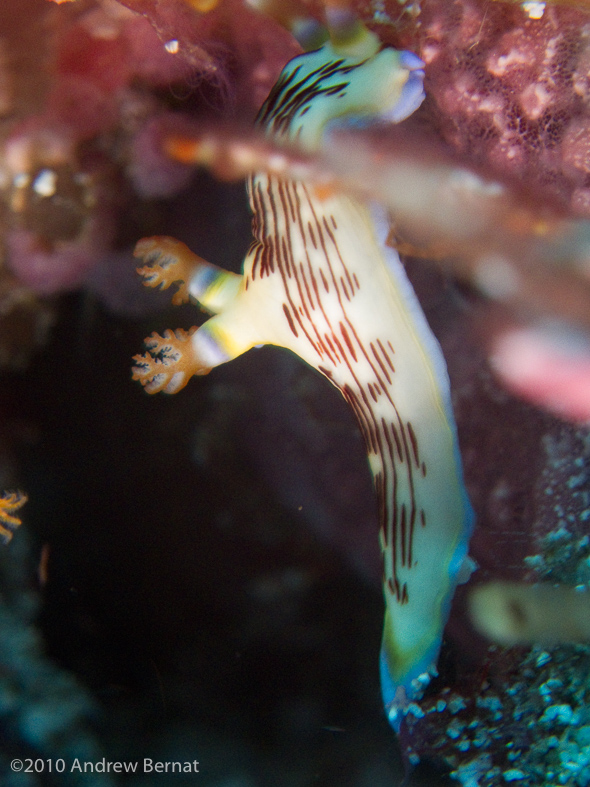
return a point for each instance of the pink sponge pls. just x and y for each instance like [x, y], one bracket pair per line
[511, 92]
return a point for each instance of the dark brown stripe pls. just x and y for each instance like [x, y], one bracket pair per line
[285, 257]
[344, 289]
[380, 362]
[398, 444]
[346, 338]
[289, 320]
[332, 348]
[414, 442]
[333, 239]
[403, 533]
[306, 285]
[312, 235]
[386, 355]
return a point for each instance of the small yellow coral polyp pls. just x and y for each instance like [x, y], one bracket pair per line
[187, 151]
[320, 280]
[9, 503]
[203, 6]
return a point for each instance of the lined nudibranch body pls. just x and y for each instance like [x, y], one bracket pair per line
[319, 280]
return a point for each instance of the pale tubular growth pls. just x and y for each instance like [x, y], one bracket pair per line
[516, 251]
[320, 281]
[512, 247]
[517, 613]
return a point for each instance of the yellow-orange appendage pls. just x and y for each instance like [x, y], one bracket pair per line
[169, 363]
[10, 502]
[171, 262]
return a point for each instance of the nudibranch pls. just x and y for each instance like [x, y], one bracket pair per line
[320, 280]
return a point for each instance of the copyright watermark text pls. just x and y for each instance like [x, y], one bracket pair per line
[146, 765]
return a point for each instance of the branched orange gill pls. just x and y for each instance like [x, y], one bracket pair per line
[9, 503]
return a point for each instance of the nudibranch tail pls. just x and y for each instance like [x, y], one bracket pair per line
[320, 280]
[425, 550]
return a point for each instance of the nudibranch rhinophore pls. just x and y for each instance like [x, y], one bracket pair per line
[320, 280]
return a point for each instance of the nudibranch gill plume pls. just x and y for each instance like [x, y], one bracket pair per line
[320, 280]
